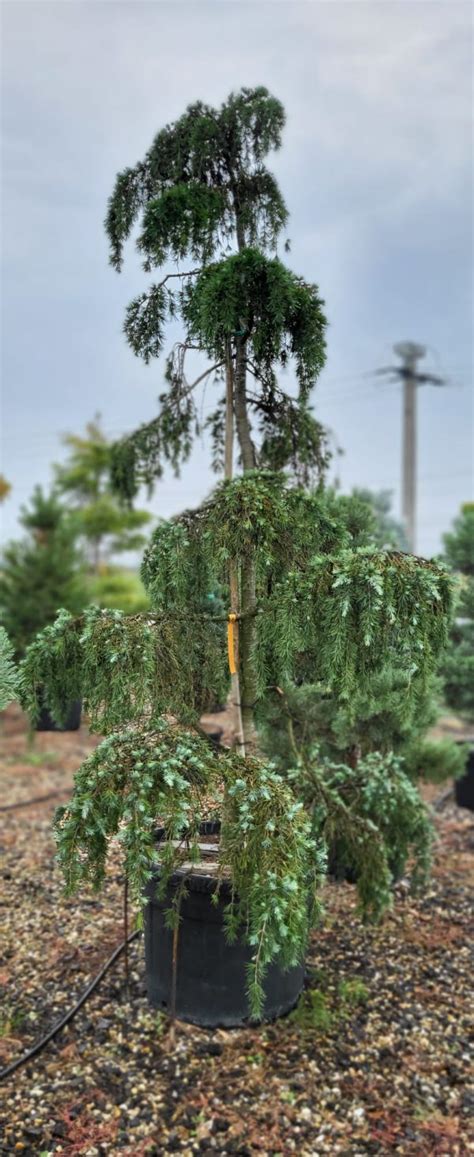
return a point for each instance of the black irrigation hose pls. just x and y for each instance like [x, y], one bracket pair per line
[41, 1044]
[29, 802]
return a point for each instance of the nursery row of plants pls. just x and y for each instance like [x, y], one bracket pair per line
[277, 595]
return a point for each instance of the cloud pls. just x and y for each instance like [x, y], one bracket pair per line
[375, 167]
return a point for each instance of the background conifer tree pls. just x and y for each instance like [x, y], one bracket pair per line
[387, 531]
[41, 572]
[106, 526]
[8, 672]
[458, 668]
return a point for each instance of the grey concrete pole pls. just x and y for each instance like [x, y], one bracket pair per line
[410, 354]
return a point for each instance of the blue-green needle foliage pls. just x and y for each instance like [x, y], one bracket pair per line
[125, 667]
[204, 196]
[324, 612]
[389, 712]
[373, 819]
[323, 608]
[171, 776]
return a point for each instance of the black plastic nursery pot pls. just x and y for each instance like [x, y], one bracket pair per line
[211, 973]
[72, 721]
[341, 871]
[464, 787]
[338, 869]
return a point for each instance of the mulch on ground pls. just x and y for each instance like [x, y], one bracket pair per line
[375, 1061]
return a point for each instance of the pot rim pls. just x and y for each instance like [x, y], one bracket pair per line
[197, 881]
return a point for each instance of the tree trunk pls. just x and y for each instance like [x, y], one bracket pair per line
[248, 675]
[229, 414]
[235, 692]
[247, 644]
[247, 627]
[96, 555]
[247, 449]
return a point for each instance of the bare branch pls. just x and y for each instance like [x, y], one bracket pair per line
[210, 370]
[189, 273]
[176, 363]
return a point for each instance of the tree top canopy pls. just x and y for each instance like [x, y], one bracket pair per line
[203, 196]
[197, 172]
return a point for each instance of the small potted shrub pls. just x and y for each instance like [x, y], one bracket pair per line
[223, 850]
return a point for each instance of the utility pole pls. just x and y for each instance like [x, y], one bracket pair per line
[410, 354]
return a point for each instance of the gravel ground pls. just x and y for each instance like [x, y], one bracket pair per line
[376, 1060]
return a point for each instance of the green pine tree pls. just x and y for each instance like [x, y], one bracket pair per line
[106, 526]
[8, 672]
[118, 589]
[41, 572]
[388, 532]
[307, 601]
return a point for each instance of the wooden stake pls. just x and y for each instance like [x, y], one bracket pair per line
[174, 966]
[125, 935]
[233, 575]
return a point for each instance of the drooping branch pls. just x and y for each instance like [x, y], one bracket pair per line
[350, 614]
[170, 775]
[139, 459]
[126, 668]
[175, 374]
[320, 609]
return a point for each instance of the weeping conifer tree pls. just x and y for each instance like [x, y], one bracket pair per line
[297, 600]
[203, 195]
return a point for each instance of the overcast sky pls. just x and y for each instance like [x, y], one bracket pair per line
[376, 168]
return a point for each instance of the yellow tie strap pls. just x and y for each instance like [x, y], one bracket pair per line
[231, 619]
